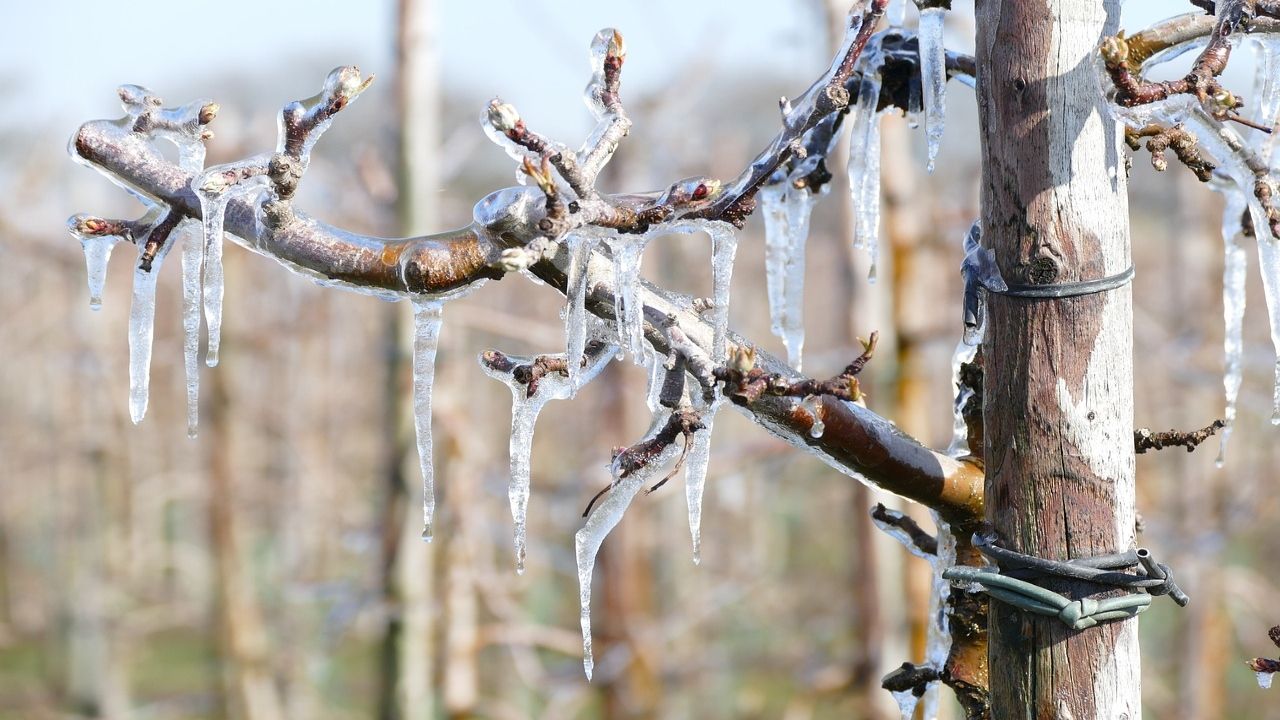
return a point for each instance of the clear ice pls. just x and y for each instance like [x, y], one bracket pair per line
[627, 251]
[695, 475]
[786, 210]
[189, 234]
[426, 338]
[216, 187]
[524, 415]
[1234, 266]
[97, 251]
[604, 516]
[1264, 679]
[580, 243]
[142, 315]
[980, 273]
[864, 158]
[933, 77]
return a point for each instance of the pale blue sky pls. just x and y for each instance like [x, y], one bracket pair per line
[60, 61]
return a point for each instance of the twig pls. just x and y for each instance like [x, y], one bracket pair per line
[1144, 439]
[926, 543]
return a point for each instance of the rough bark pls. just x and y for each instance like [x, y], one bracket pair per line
[1058, 391]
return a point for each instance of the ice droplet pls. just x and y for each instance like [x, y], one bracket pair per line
[1264, 679]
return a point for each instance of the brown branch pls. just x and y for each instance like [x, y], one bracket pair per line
[856, 441]
[1267, 665]
[429, 264]
[1144, 439]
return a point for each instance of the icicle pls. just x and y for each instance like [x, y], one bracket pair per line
[1218, 140]
[933, 76]
[142, 314]
[604, 516]
[1264, 679]
[97, 251]
[215, 188]
[627, 251]
[188, 231]
[1234, 266]
[907, 701]
[524, 416]
[695, 475]
[724, 245]
[426, 336]
[657, 377]
[864, 161]
[938, 631]
[581, 244]
[896, 13]
[786, 229]
[1266, 91]
[964, 353]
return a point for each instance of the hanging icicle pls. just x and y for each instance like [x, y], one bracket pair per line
[864, 158]
[426, 338]
[933, 77]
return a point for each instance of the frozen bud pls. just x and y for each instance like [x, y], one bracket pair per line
[136, 98]
[742, 358]
[503, 116]
[216, 182]
[515, 260]
[1115, 50]
[345, 82]
[617, 46]
[207, 113]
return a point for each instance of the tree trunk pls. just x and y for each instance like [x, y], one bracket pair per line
[1059, 373]
[405, 689]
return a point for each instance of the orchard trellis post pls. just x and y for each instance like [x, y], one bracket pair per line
[1050, 418]
[1058, 390]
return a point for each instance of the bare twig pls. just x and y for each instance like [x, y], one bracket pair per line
[1144, 439]
[925, 542]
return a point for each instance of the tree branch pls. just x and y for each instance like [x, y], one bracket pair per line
[856, 441]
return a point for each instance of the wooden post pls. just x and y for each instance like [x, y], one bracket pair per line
[1059, 372]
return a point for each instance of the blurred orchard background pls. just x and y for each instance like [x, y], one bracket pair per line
[271, 568]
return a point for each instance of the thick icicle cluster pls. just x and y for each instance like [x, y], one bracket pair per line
[864, 157]
[1237, 156]
[525, 407]
[786, 209]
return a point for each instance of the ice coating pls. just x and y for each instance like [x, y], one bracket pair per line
[1234, 266]
[189, 234]
[142, 315]
[896, 13]
[933, 77]
[786, 210]
[216, 187]
[811, 405]
[964, 353]
[655, 361]
[938, 631]
[864, 159]
[525, 408]
[980, 273]
[341, 86]
[426, 338]
[604, 516]
[1266, 90]
[594, 92]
